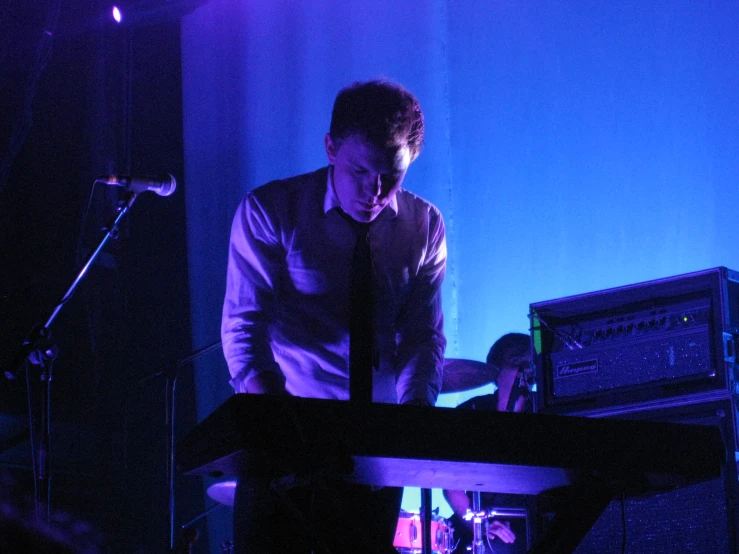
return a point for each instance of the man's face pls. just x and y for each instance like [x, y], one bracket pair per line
[366, 177]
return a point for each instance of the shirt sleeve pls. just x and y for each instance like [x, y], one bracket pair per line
[255, 259]
[420, 331]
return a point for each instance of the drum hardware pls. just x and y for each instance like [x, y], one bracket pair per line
[505, 512]
[408, 534]
[477, 515]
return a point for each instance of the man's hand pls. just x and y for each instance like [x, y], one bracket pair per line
[418, 402]
[266, 383]
[502, 530]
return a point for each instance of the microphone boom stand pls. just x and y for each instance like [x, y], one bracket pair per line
[39, 350]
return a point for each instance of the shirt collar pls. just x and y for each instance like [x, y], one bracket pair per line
[331, 200]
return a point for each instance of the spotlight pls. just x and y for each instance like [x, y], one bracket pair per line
[117, 14]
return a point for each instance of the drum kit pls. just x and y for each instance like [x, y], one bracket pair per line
[408, 535]
[459, 375]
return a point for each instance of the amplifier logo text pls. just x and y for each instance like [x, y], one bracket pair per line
[578, 368]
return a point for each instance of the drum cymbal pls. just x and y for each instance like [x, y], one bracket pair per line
[223, 492]
[461, 375]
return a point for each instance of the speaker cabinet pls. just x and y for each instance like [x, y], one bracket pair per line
[701, 518]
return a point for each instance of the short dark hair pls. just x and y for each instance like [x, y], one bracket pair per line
[385, 113]
[508, 346]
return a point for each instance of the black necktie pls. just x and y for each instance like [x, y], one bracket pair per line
[361, 317]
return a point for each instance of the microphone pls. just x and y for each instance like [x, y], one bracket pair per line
[163, 185]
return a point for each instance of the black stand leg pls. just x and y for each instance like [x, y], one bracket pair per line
[43, 485]
[426, 520]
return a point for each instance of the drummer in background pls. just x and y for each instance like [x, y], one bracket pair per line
[511, 355]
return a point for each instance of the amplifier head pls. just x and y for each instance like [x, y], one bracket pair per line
[637, 343]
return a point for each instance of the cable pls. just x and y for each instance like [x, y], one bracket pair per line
[567, 339]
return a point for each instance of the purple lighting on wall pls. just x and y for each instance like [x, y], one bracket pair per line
[117, 14]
